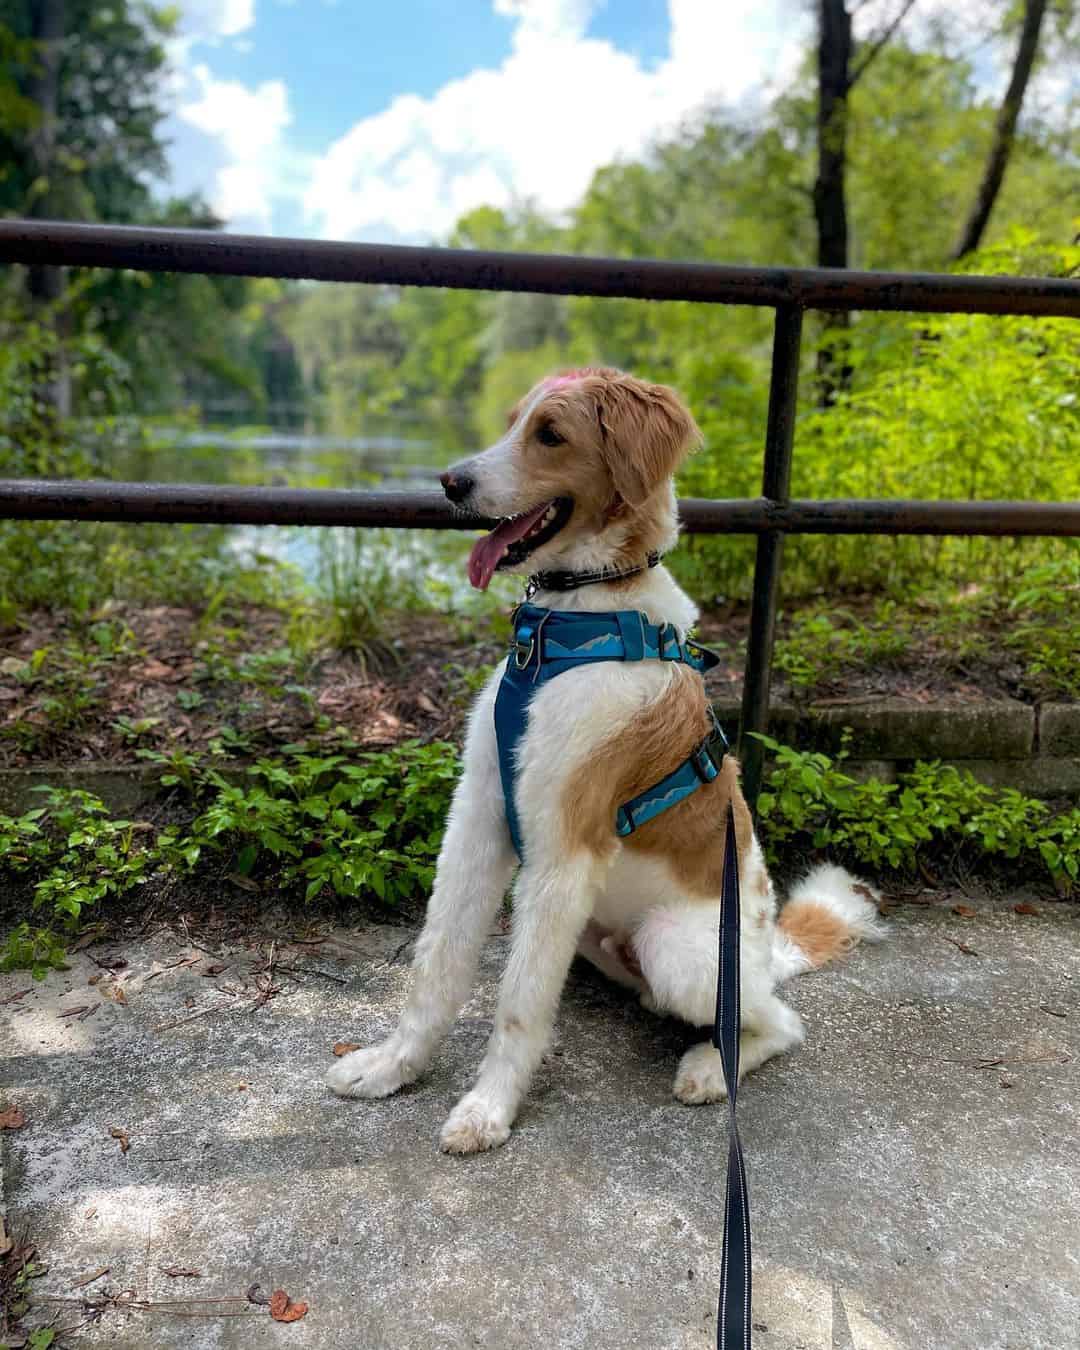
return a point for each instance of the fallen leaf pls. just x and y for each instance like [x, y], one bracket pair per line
[282, 1309]
[964, 911]
[345, 1048]
[96, 979]
[214, 969]
[89, 1279]
[256, 1295]
[428, 705]
[12, 1118]
[181, 1273]
[245, 883]
[122, 1136]
[962, 946]
[74, 1012]
[90, 1212]
[1053, 1010]
[10, 998]
[1025, 907]
[157, 670]
[115, 992]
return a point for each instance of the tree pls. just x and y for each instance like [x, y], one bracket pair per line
[1004, 131]
[836, 79]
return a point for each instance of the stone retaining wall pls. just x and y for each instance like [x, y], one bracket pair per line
[1003, 743]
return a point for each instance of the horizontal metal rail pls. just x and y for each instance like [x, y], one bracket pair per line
[789, 291]
[207, 251]
[213, 504]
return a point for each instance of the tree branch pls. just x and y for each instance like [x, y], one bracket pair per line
[1004, 131]
[882, 41]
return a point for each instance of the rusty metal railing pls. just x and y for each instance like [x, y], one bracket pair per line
[788, 291]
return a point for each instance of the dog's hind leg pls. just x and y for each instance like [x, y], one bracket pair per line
[474, 870]
[552, 902]
[700, 1075]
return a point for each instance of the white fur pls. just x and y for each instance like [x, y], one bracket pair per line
[574, 902]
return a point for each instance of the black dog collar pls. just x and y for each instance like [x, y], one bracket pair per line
[572, 581]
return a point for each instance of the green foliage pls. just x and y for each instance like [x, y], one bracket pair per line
[1021, 632]
[934, 810]
[364, 824]
[73, 854]
[1046, 619]
[822, 645]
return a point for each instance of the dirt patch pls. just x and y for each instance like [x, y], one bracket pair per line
[155, 680]
[164, 680]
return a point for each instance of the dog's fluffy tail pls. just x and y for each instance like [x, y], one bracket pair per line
[827, 913]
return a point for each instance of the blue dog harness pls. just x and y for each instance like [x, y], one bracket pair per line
[548, 642]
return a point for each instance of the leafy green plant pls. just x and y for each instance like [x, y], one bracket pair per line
[365, 823]
[74, 855]
[936, 808]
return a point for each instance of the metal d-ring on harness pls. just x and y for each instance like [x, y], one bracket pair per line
[545, 644]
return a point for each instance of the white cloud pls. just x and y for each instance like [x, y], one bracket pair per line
[248, 124]
[539, 125]
[209, 19]
[563, 17]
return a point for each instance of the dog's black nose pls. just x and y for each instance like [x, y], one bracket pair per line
[457, 486]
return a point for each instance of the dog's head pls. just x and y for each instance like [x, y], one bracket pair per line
[583, 474]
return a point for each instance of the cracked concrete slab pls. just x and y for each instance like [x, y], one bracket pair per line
[914, 1170]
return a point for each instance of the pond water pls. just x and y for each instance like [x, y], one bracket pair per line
[404, 567]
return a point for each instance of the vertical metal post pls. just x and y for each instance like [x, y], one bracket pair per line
[776, 487]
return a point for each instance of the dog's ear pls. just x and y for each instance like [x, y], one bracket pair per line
[645, 432]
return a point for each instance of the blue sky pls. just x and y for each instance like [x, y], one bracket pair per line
[388, 119]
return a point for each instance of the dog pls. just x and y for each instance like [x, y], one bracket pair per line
[582, 480]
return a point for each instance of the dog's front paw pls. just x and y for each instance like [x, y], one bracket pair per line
[473, 1127]
[700, 1076]
[374, 1072]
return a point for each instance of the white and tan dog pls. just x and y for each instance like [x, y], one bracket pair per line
[582, 480]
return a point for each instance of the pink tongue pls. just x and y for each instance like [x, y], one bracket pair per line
[488, 552]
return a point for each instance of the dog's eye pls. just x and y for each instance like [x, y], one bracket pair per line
[547, 435]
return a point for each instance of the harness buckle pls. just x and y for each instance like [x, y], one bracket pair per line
[702, 762]
[523, 647]
[669, 633]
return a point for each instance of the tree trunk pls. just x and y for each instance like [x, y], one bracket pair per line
[830, 205]
[46, 284]
[1004, 131]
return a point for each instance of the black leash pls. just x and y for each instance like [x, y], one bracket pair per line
[733, 1313]
[572, 581]
[733, 1307]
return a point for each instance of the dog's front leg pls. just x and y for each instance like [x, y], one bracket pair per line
[474, 869]
[552, 903]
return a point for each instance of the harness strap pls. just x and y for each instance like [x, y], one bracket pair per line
[701, 766]
[733, 1305]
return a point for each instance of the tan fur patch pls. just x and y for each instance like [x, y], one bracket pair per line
[819, 934]
[690, 836]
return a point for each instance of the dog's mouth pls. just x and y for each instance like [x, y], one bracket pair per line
[514, 539]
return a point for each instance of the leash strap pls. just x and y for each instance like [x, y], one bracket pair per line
[733, 1307]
